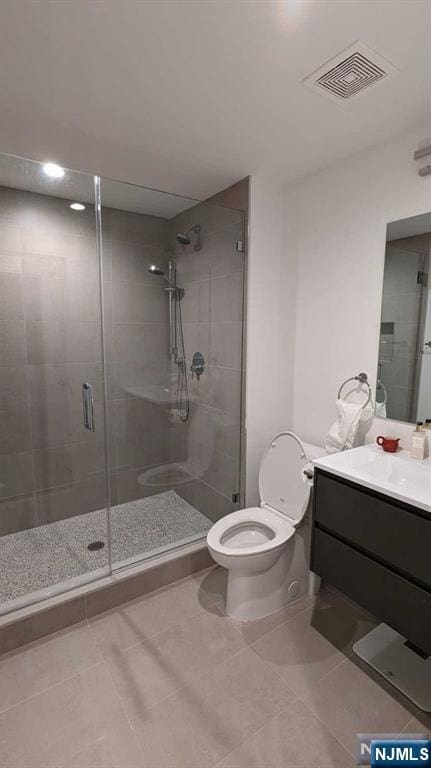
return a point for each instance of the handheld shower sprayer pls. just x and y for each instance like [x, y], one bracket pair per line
[176, 335]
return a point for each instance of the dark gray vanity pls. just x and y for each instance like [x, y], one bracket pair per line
[377, 550]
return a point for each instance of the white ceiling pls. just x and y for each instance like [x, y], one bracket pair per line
[191, 95]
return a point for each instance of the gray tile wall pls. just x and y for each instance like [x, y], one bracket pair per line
[50, 343]
[137, 335]
[212, 310]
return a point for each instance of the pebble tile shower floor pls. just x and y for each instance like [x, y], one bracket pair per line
[41, 557]
[168, 681]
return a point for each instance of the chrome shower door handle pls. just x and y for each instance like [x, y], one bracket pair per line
[88, 407]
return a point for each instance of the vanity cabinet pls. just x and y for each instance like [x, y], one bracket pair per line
[377, 550]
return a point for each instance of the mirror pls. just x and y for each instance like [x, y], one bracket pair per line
[403, 388]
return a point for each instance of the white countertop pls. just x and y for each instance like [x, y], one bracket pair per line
[394, 474]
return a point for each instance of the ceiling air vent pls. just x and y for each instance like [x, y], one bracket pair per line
[350, 72]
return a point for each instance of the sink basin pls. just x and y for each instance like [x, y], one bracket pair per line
[394, 474]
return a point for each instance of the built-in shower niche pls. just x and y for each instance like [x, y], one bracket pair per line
[80, 305]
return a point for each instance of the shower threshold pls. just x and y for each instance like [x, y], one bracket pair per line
[50, 559]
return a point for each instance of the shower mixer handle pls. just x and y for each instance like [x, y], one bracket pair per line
[198, 364]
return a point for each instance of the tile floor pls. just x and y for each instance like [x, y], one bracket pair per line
[168, 681]
[55, 553]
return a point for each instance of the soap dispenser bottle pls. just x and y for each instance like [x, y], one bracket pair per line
[419, 442]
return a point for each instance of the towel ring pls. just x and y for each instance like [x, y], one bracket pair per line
[363, 379]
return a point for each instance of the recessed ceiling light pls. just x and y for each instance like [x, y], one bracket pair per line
[53, 171]
[77, 206]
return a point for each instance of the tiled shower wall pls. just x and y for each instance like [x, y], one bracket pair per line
[212, 308]
[136, 321]
[50, 343]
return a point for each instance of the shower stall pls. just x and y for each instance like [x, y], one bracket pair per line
[121, 374]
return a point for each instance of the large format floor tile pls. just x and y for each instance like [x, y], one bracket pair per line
[252, 631]
[118, 749]
[308, 646]
[147, 673]
[217, 711]
[135, 622]
[351, 700]
[168, 681]
[45, 663]
[293, 739]
[57, 724]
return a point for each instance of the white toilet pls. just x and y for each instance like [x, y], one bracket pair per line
[257, 545]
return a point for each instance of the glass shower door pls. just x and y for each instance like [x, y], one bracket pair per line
[174, 320]
[53, 466]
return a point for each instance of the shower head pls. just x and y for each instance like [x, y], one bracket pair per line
[184, 239]
[153, 269]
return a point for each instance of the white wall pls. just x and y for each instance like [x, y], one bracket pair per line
[341, 218]
[270, 317]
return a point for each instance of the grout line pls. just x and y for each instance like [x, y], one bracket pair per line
[238, 624]
[287, 620]
[256, 732]
[117, 692]
[325, 726]
[151, 636]
[419, 712]
[54, 685]
[27, 382]
[198, 672]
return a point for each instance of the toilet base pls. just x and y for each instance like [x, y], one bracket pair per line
[252, 596]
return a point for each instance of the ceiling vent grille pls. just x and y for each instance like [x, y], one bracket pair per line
[348, 74]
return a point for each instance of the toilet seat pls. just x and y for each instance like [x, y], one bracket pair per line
[221, 539]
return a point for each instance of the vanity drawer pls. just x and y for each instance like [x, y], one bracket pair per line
[397, 536]
[395, 600]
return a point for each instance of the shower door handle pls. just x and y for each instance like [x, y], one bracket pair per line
[88, 407]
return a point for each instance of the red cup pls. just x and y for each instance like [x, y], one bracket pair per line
[389, 444]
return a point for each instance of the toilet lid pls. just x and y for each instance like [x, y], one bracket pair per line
[282, 485]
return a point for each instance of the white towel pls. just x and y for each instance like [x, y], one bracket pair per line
[381, 410]
[343, 431]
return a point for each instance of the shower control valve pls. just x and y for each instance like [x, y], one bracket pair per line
[198, 365]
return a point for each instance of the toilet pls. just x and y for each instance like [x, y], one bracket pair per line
[258, 545]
